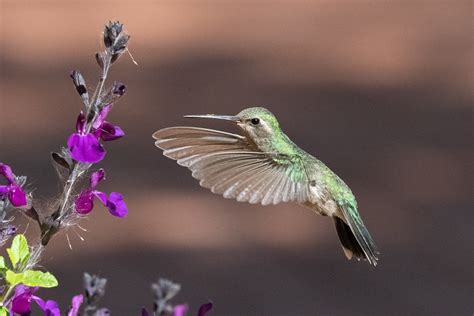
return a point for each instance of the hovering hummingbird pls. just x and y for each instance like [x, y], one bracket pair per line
[264, 166]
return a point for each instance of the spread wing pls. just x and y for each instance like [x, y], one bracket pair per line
[228, 164]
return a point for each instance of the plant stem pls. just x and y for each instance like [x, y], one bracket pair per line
[7, 295]
[75, 173]
[68, 190]
[98, 90]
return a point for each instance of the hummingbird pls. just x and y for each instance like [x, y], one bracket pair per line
[264, 166]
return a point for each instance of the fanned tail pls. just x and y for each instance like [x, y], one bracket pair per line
[355, 238]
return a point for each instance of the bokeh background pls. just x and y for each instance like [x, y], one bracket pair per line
[381, 91]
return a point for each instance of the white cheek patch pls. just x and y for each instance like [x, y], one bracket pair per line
[264, 128]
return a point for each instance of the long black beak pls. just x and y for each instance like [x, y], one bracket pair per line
[231, 118]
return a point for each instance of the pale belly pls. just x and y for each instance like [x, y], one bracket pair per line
[322, 203]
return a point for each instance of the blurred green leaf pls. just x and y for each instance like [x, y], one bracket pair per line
[19, 251]
[3, 267]
[4, 311]
[31, 278]
[13, 278]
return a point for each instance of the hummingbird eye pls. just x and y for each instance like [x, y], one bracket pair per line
[255, 121]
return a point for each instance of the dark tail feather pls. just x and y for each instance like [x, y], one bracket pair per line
[351, 246]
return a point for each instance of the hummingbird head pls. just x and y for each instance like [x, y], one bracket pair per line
[257, 122]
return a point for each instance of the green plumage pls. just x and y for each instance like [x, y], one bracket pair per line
[264, 166]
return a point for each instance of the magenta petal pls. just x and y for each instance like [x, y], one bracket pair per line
[110, 132]
[81, 121]
[49, 308]
[4, 189]
[204, 309]
[75, 305]
[17, 196]
[85, 202]
[22, 299]
[96, 177]
[102, 116]
[116, 205]
[7, 172]
[180, 310]
[85, 148]
[101, 196]
[21, 304]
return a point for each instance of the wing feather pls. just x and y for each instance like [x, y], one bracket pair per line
[242, 182]
[220, 171]
[266, 184]
[252, 186]
[239, 173]
[278, 197]
[230, 165]
[286, 197]
[269, 194]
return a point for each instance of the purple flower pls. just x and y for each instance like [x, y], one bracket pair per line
[114, 202]
[13, 190]
[84, 146]
[204, 309]
[105, 130]
[49, 308]
[180, 310]
[22, 299]
[24, 295]
[75, 305]
[8, 230]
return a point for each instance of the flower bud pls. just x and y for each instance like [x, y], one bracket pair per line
[80, 85]
[112, 32]
[119, 88]
[115, 40]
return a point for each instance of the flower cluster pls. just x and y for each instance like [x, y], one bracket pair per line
[12, 190]
[11, 194]
[94, 288]
[20, 280]
[114, 202]
[164, 290]
[115, 40]
[25, 295]
[84, 144]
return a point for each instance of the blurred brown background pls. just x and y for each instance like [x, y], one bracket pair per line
[379, 90]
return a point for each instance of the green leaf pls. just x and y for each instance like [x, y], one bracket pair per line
[13, 278]
[31, 278]
[4, 311]
[3, 267]
[19, 251]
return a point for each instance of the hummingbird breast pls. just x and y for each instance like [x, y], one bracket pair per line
[321, 200]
